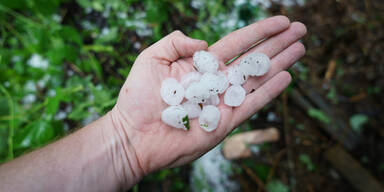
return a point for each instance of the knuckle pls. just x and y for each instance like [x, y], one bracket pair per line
[177, 33]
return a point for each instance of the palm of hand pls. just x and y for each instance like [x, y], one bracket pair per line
[173, 146]
[140, 105]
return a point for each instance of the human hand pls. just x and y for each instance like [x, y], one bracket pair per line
[149, 144]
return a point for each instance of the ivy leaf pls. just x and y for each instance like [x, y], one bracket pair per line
[306, 160]
[358, 121]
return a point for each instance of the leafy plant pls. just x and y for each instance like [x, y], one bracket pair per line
[306, 160]
[358, 121]
[319, 115]
[276, 186]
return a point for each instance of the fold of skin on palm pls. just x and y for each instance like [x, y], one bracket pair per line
[137, 113]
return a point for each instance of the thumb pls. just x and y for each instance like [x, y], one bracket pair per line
[176, 45]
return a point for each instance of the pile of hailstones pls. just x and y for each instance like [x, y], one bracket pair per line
[201, 89]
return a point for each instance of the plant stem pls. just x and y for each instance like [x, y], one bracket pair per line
[11, 122]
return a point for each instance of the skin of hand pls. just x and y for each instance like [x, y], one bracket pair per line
[148, 143]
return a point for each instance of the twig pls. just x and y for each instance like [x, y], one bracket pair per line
[330, 70]
[357, 176]
[337, 128]
[254, 177]
[75, 69]
[278, 158]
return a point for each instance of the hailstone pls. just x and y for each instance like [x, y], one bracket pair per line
[189, 78]
[197, 93]
[255, 64]
[176, 116]
[234, 96]
[209, 118]
[205, 62]
[172, 92]
[236, 76]
[216, 82]
[192, 109]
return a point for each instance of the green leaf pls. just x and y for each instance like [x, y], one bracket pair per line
[332, 95]
[319, 115]
[80, 112]
[4, 108]
[276, 186]
[98, 48]
[3, 142]
[34, 135]
[70, 34]
[306, 160]
[358, 121]
[53, 104]
[186, 122]
[111, 35]
[156, 11]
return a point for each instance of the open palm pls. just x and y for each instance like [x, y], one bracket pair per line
[137, 114]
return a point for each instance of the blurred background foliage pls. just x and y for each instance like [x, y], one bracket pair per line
[62, 63]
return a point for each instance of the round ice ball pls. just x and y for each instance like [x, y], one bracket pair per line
[255, 64]
[172, 92]
[234, 96]
[192, 109]
[236, 76]
[205, 62]
[215, 82]
[197, 93]
[176, 116]
[189, 78]
[209, 118]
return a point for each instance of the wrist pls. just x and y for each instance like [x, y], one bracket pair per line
[122, 153]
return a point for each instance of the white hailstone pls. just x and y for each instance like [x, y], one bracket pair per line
[38, 61]
[209, 118]
[205, 62]
[224, 83]
[197, 93]
[255, 64]
[172, 91]
[234, 96]
[213, 100]
[193, 109]
[236, 76]
[216, 82]
[176, 116]
[189, 78]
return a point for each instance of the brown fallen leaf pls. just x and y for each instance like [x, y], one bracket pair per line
[235, 147]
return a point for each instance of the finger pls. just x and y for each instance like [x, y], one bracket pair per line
[258, 99]
[175, 45]
[280, 62]
[234, 43]
[281, 41]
